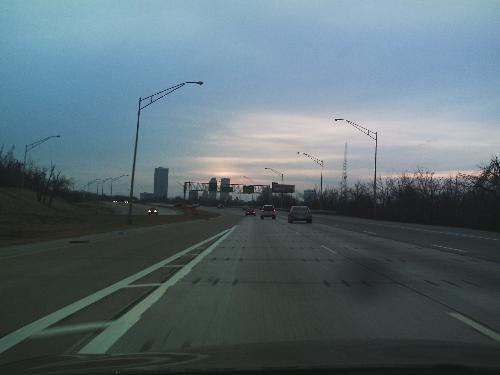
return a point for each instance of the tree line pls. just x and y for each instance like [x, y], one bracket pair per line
[468, 200]
[47, 183]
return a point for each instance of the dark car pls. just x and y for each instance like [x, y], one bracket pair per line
[300, 213]
[267, 210]
[153, 211]
[250, 211]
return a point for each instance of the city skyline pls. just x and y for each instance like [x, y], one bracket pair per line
[430, 89]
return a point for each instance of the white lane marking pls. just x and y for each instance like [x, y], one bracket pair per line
[439, 232]
[107, 338]
[449, 248]
[142, 285]
[37, 326]
[368, 232]
[64, 330]
[173, 265]
[477, 326]
[330, 250]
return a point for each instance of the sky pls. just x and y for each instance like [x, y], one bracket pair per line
[424, 74]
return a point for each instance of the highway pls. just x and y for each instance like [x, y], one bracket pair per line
[242, 282]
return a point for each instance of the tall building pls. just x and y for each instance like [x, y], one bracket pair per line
[161, 183]
[212, 195]
[224, 183]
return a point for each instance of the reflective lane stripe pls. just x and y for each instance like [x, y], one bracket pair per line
[449, 248]
[330, 250]
[39, 325]
[477, 326]
[107, 338]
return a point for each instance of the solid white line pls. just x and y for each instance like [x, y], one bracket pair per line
[64, 330]
[37, 326]
[439, 232]
[173, 266]
[107, 338]
[449, 248]
[477, 326]
[330, 250]
[366, 231]
[143, 285]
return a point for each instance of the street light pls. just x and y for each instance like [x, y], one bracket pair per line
[320, 163]
[373, 135]
[29, 147]
[279, 174]
[91, 182]
[102, 185]
[150, 100]
[113, 180]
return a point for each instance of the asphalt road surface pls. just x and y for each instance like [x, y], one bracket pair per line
[241, 281]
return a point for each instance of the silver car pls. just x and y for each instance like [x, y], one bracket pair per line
[268, 210]
[302, 213]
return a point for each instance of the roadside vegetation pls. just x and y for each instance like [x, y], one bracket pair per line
[466, 200]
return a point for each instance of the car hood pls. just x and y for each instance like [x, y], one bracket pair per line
[366, 355]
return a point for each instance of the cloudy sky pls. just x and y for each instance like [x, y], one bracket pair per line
[424, 74]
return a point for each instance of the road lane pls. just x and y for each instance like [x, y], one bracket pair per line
[272, 282]
[476, 243]
[36, 284]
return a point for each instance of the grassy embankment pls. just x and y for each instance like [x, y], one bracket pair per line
[24, 220]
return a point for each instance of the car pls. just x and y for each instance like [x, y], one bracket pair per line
[268, 210]
[220, 205]
[300, 213]
[153, 211]
[250, 211]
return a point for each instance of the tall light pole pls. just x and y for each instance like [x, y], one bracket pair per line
[29, 147]
[320, 163]
[102, 185]
[111, 184]
[91, 182]
[279, 174]
[373, 135]
[149, 100]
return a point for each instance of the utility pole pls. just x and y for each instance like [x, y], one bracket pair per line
[343, 182]
[321, 164]
[373, 135]
[148, 100]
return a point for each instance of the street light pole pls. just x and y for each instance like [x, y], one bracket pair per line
[29, 147]
[321, 164]
[152, 98]
[373, 135]
[113, 180]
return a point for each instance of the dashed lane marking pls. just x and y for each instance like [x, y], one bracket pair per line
[330, 250]
[449, 248]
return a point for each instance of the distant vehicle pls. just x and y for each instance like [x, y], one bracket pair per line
[220, 205]
[153, 211]
[250, 212]
[195, 205]
[267, 210]
[300, 213]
